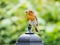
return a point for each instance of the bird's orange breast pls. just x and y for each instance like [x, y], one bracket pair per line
[30, 17]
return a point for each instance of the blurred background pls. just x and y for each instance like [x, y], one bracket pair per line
[13, 20]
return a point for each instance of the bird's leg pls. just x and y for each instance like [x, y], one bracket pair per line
[29, 28]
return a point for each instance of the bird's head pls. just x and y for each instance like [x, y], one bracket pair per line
[29, 12]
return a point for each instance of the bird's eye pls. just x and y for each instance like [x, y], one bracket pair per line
[31, 11]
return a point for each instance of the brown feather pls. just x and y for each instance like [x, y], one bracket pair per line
[36, 29]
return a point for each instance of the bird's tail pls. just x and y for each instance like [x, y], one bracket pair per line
[36, 29]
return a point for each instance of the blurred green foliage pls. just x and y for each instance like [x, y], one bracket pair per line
[13, 20]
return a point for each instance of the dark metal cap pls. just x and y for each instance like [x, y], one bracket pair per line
[29, 38]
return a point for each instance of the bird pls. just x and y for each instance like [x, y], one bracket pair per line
[32, 19]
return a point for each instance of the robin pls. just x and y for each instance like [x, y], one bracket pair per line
[32, 19]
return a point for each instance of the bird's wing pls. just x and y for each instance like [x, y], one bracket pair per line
[36, 20]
